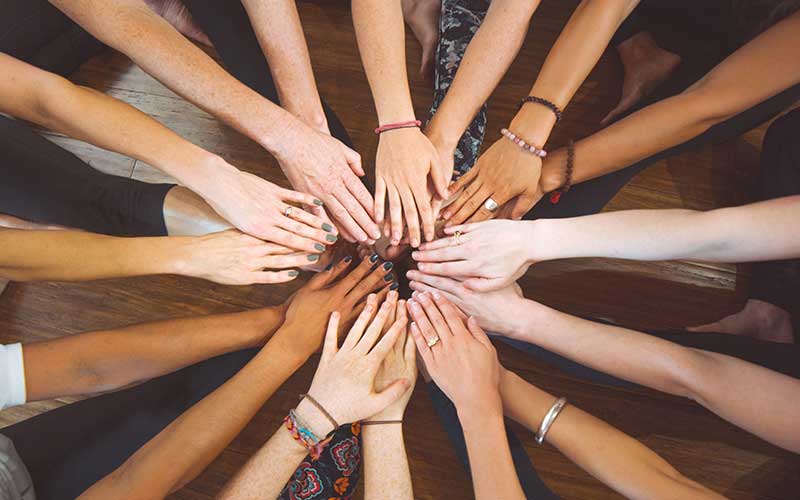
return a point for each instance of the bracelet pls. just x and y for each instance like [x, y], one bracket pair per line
[394, 126]
[544, 102]
[556, 195]
[541, 153]
[549, 419]
[321, 409]
[305, 436]
[380, 422]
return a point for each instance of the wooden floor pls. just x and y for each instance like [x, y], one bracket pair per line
[668, 294]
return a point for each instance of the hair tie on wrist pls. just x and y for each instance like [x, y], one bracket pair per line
[380, 422]
[394, 126]
[321, 409]
[544, 102]
[555, 196]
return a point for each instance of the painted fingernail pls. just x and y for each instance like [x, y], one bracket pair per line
[374, 266]
[317, 202]
[389, 277]
[394, 286]
[388, 265]
[347, 259]
[373, 257]
[331, 237]
[313, 258]
[327, 227]
[294, 273]
[319, 246]
[328, 267]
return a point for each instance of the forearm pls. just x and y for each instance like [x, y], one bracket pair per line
[182, 450]
[386, 472]
[491, 465]
[79, 256]
[107, 360]
[762, 68]
[614, 458]
[488, 56]
[133, 29]
[280, 34]
[381, 40]
[572, 57]
[737, 234]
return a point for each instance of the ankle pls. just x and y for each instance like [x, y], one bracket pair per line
[769, 316]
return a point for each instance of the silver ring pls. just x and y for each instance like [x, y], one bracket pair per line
[432, 342]
[490, 205]
[288, 211]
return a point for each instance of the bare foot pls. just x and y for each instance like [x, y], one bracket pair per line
[176, 14]
[422, 16]
[646, 65]
[758, 319]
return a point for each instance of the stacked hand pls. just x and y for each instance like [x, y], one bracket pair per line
[345, 381]
[505, 173]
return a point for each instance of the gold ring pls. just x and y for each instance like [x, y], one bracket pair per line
[432, 342]
[490, 205]
[457, 234]
[288, 211]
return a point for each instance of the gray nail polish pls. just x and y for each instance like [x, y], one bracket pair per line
[319, 246]
[317, 202]
[327, 227]
[293, 273]
[388, 277]
[313, 258]
[394, 286]
[331, 237]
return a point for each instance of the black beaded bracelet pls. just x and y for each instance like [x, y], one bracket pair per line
[544, 102]
[555, 196]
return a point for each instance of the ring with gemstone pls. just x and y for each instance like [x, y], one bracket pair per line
[457, 234]
[432, 342]
[490, 205]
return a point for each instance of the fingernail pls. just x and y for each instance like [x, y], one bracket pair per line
[374, 266]
[293, 273]
[394, 286]
[410, 274]
[414, 305]
[331, 237]
[328, 267]
[317, 202]
[436, 295]
[414, 242]
[313, 258]
[415, 255]
[421, 266]
[446, 215]
[389, 277]
[327, 227]
[376, 234]
[373, 257]
[319, 246]
[347, 259]
[388, 265]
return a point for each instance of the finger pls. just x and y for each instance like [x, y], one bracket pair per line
[409, 350]
[464, 228]
[287, 195]
[289, 239]
[461, 200]
[330, 274]
[454, 252]
[440, 282]
[395, 215]
[313, 221]
[423, 201]
[464, 180]
[268, 277]
[376, 327]
[440, 181]
[273, 249]
[450, 313]
[345, 220]
[400, 314]
[436, 318]
[422, 345]
[471, 206]
[361, 206]
[385, 345]
[380, 199]
[411, 217]
[376, 275]
[421, 288]
[484, 214]
[421, 319]
[304, 230]
[329, 346]
[354, 160]
[523, 205]
[457, 268]
[389, 395]
[478, 333]
[285, 261]
[361, 323]
[485, 284]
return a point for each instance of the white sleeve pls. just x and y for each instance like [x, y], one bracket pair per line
[12, 376]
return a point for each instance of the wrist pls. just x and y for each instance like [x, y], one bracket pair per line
[546, 240]
[210, 175]
[533, 123]
[554, 169]
[176, 255]
[481, 416]
[315, 419]
[442, 136]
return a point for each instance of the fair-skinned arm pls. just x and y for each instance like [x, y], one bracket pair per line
[181, 451]
[464, 364]
[228, 257]
[736, 234]
[343, 385]
[505, 172]
[246, 201]
[762, 68]
[579, 436]
[406, 164]
[716, 381]
[314, 162]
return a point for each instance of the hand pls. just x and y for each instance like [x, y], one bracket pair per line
[400, 363]
[344, 383]
[233, 258]
[507, 174]
[475, 254]
[259, 208]
[446, 151]
[318, 164]
[403, 163]
[308, 309]
[495, 311]
[463, 362]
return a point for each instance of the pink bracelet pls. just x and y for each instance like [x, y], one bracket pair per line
[394, 126]
[541, 153]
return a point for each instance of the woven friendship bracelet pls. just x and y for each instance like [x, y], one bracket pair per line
[544, 102]
[511, 136]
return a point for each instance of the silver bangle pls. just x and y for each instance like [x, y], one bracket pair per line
[550, 418]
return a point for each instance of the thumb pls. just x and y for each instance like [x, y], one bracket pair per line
[440, 182]
[389, 395]
[354, 160]
[523, 205]
[477, 332]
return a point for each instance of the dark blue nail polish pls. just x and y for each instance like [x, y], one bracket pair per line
[347, 259]
[328, 267]
[373, 257]
[313, 258]
[374, 266]
[388, 277]
[394, 286]
[327, 227]
[319, 246]
[388, 265]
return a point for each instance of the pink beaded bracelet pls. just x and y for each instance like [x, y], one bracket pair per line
[541, 153]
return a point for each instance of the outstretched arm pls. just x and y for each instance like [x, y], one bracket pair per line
[760, 69]
[619, 461]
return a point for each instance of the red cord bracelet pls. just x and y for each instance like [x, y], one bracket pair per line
[396, 125]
